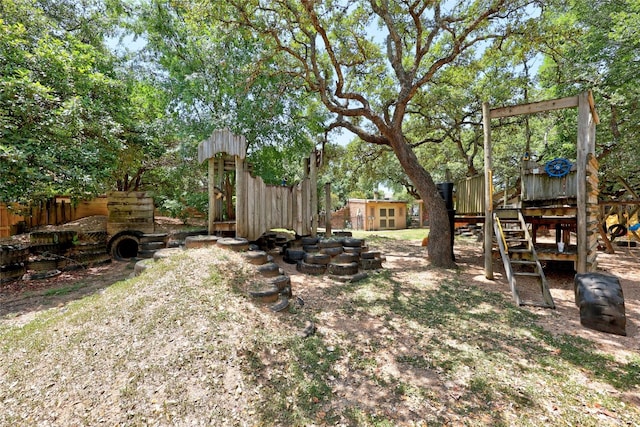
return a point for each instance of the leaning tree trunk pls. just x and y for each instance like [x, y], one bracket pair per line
[439, 246]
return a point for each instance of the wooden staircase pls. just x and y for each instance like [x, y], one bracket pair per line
[520, 259]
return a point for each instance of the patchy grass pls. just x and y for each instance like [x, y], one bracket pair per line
[182, 345]
[406, 234]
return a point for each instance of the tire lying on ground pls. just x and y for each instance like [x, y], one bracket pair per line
[343, 269]
[330, 243]
[371, 264]
[332, 251]
[315, 258]
[166, 253]
[255, 257]
[270, 269]
[236, 244]
[312, 269]
[292, 256]
[346, 258]
[199, 241]
[351, 242]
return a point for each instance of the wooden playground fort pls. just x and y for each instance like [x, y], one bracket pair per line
[560, 196]
[258, 207]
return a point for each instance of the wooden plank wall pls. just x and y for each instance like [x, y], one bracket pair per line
[57, 211]
[272, 206]
[470, 196]
[540, 186]
[133, 210]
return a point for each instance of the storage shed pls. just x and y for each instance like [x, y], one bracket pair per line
[374, 214]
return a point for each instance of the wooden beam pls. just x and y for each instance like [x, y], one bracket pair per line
[488, 196]
[212, 195]
[327, 209]
[535, 107]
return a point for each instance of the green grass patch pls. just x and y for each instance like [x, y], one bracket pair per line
[405, 234]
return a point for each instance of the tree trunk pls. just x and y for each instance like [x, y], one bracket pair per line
[439, 246]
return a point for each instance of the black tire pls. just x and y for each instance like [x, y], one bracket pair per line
[236, 244]
[281, 281]
[256, 257]
[330, 243]
[280, 305]
[345, 258]
[11, 272]
[199, 241]
[350, 242]
[146, 254]
[312, 269]
[601, 302]
[322, 259]
[270, 269]
[367, 255]
[333, 251]
[309, 241]
[292, 256]
[311, 248]
[617, 230]
[152, 246]
[124, 247]
[371, 264]
[141, 266]
[150, 238]
[343, 269]
[13, 255]
[353, 250]
[264, 292]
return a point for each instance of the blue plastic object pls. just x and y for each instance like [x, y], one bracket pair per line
[635, 227]
[558, 168]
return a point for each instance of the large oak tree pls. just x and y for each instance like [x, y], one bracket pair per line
[367, 60]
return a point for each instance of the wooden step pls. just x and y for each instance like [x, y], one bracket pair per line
[523, 262]
[520, 250]
[525, 273]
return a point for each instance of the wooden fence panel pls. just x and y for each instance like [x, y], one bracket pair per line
[470, 196]
[58, 210]
[273, 206]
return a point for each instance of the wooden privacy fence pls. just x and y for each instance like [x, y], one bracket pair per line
[259, 207]
[470, 196]
[262, 207]
[15, 218]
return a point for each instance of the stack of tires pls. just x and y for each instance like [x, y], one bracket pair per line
[341, 257]
[345, 264]
[150, 243]
[89, 249]
[48, 250]
[13, 260]
[272, 286]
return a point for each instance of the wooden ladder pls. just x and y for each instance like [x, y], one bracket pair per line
[517, 250]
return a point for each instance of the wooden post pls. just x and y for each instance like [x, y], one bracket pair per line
[327, 217]
[241, 198]
[583, 145]
[220, 185]
[212, 195]
[313, 176]
[488, 202]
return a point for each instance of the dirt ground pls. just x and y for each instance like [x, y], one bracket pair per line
[21, 300]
